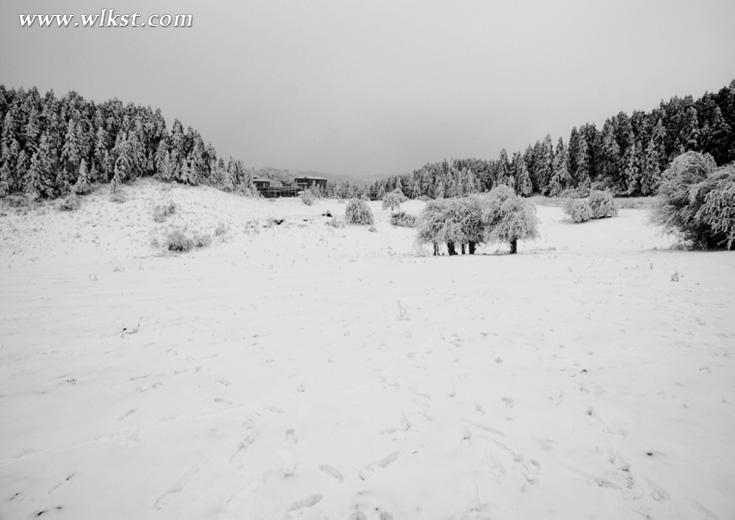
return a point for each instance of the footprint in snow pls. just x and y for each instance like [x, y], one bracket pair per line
[304, 503]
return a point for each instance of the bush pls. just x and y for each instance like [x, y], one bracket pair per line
[578, 210]
[602, 204]
[393, 199]
[162, 212]
[118, 196]
[17, 201]
[696, 201]
[202, 241]
[335, 223]
[307, 197]
[403, 219]
[177, 241]
[358, 212]
[70, 203]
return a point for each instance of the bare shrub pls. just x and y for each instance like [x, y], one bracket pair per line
[335, 223]
[201, 241]
[177, 241]
[578, 210]
[119, 196]
[403, 219]
[17, 201]
[220, 230]
[358, 212]
[162, 212]
[70, 203]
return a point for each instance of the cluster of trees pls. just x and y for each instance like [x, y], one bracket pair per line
[627, 155]
[465, 222]
[697, 201]
[50, 146]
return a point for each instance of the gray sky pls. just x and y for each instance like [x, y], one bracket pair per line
[380, 86]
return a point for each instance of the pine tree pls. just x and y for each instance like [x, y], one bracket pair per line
[7, 136]
[32, 130]
[100, 147]
[503, 173]
[523, 179]
[560, 177]
[582, 174]
[108, 167]
[632, 172]
[162, 155]
[70, 155]
[123, 168]
[82, 186]
[4, 179]
[573, 151]
[187, 174]
[610, 155]
[651, 169]
[32, 186]
[545, 164]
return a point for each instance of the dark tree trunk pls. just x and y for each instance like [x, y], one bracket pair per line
[450, 249]
[472, 248]
[436, 249]
[463, 248]
[513, 246]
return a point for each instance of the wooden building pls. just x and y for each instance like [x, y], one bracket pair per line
[311, 182]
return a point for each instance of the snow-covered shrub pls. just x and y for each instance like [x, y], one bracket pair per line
[393, 199]
[578, 210]
[403, 219]
[70, 203]
[177, 241]
[307, 197]
[202, 240]
[358, 212]
[602, 204]
[163, 211]
[697, 201]
[82, 186]
[335, 223]
[119, 196]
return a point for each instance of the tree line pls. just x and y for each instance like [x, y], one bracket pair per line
[48, 145]
[626, 156]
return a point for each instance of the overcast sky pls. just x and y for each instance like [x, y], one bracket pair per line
[380, 86]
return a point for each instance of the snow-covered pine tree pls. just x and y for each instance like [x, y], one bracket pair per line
[82, 186]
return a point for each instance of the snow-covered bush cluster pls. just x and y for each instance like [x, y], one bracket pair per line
[697, 201]
[403, 219]
[599, 204]
[501, 216]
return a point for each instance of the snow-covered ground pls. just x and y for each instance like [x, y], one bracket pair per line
[305, 371]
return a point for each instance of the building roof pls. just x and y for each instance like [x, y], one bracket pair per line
[311, 178]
